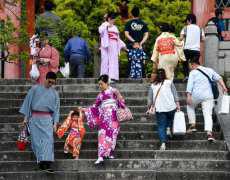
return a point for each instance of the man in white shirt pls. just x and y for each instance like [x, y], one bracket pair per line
[192, 35]
[199, 91]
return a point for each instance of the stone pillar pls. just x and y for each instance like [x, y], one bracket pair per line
[211, 47]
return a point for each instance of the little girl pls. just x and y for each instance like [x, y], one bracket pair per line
[137, 57]
[73, 142]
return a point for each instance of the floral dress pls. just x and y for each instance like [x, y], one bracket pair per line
[74, 139]
[103, 115]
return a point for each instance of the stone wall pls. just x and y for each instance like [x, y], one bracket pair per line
[217, 53]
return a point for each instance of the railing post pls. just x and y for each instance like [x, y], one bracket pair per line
[211, 47]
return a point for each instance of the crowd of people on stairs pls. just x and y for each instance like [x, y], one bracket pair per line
[41, 106]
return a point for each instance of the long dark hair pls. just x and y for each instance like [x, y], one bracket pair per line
[161, 76]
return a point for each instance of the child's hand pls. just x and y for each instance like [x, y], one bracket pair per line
[70, 113]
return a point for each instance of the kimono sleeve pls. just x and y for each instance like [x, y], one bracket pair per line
[54, 60]
[26, 105]
[64, 127]
[56, 113]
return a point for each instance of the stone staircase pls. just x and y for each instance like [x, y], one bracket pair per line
[190, 157]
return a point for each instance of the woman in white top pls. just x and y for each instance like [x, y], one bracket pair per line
[162, 96]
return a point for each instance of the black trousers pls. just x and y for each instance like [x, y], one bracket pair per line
[189, 54]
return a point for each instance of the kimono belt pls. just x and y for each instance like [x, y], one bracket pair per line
[167, 52]
[109, 102]
[74, 132]
[40, 113]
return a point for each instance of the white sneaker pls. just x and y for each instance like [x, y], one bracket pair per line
[99, 160]
[163, 147]
[66, 152]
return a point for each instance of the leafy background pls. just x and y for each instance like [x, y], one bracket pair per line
[84, 16]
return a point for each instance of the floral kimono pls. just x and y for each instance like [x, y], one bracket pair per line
[74, 139]
[103, 115]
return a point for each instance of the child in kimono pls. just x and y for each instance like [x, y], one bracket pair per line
[137, 57]
[74, 122]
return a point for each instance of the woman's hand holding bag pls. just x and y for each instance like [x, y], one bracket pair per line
[151, 111]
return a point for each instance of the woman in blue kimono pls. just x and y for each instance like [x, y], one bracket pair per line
[41, 110]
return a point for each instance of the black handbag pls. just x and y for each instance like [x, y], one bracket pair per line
[214, 86]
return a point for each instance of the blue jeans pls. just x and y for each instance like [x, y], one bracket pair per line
[164, 121]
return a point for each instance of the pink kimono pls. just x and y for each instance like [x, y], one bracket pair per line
[52, 54]
[103, 115]
[111, 44]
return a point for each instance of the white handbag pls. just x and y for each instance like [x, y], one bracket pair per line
[34, 72]
[224, 104]
[65, 70]
[179, 125]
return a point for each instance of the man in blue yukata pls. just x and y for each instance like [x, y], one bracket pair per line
[41, 110]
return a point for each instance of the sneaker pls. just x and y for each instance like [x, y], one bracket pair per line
[66, 152]
[111, 157]
[210, 137]
[185, 79]
[99, 160]
[163, 147]
[191, 129]
[168, 132]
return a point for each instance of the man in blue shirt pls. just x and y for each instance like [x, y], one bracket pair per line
[218, 20]
[199, 91]
[77, 53]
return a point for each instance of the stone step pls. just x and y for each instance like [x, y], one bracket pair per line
[138, 117]
[125, 135]
[199, 145]
[122, 164]
[67, 81]
[123, 154]
[66, 109]
[150, 126]
[64, 81]
[127, 94]
[83, 87]
[8, 103]
[119, 175]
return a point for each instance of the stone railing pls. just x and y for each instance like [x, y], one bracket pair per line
[224, 121]
[217, 53]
